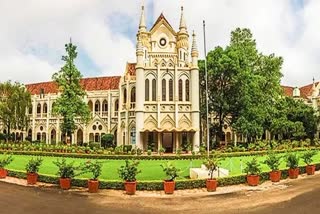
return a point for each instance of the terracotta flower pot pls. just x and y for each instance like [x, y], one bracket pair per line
[169, 186]
[310, 169]
[211, 185]
[293, 173]
[32, 178]
[275, 176]
[3, 173]
[253, 180]
[93, 186]
[65, 183]
[130, 187]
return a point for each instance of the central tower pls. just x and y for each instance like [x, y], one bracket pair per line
[167, 85]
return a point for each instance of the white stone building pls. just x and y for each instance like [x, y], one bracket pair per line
[156, 101]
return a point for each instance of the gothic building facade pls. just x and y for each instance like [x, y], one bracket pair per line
[155, 102]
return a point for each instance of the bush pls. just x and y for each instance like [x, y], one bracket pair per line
[129, 171]
[171, 171]
[127, 148]
[307, 156]
[65, 170]
[273, 161]
[33, 165]
[6, 160]
[107, 141]
[94, 145]
[93, 167]
[212, 163]
[149, 152]
[292, 160]
[252, 167]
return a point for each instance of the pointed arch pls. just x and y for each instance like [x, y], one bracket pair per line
[184, 122]
[124, 95]
[133, 95]
[187, 90]
[154, 90]
[105, 106]
[147, 82]
[45, 108]
[90, 105]
[53, 135]
[97, 106]
[39, 108]
[180, 89]
[170, 90]
[150, 123]
[164, 89]
[167, 123]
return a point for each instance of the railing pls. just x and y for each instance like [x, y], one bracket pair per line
[115, 113]
[104, 114]
[132, 105]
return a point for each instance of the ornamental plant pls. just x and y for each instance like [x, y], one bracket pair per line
[212, 164]
[129, 171]
[65, 170]
[307, 156]
[253, 167]
[171, 171]
[33, 165]
[273, 161]
[93, 167]
[6, 160]
[292, 160]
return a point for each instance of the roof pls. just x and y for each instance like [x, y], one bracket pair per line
[131, 69]
[88, 84]
[288, 90]
[161, 17]
[306, 91]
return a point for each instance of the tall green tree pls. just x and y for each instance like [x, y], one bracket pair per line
[15, 101]
[70, 103]
[243, 85]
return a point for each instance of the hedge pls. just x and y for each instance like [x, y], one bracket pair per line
[143, 157]
[158, 185]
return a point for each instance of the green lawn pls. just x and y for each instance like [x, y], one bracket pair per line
[151, 169]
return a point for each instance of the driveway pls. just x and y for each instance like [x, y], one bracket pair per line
[298, 196]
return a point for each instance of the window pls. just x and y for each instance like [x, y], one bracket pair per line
[45, 108]
[125, 95]
[163, 90]
[30, 110]
[133, 95]
[154, 90]
[170, 90]
[116, 105]
[38, 108]
[147, 90]
[187, 91]
[133, 135]
[105, 106]
[180, 90]
[97, 106]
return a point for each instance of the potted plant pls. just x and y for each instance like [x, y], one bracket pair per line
[66, 171]
[32, 169]
[293, 163]
[253, 170]
[273, 162]
[172, 173]
[212, 165]
[161, 150]
[128, 173]
[6, 160]
[95, 169]
[307, 159]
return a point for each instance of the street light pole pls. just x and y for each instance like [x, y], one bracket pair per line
[206, 80]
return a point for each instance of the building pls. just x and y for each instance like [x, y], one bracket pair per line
[151, 104]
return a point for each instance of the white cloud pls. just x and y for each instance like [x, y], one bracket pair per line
[33, 33]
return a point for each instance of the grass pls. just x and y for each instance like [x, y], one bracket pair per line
[151, 169]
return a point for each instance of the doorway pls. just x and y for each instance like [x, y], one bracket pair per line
[167, 141]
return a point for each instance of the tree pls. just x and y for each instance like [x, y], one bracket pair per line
[70, 103]
[107, 141]
[242, 85]
[15, 101]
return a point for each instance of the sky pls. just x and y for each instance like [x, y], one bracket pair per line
[33, 33]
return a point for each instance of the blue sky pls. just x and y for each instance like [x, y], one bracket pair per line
[33, 34]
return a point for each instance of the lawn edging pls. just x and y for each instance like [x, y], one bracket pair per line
[145, 157]
[158, 185]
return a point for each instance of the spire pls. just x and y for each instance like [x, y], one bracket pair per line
[142, 24]
[194, 48]
[182, 26]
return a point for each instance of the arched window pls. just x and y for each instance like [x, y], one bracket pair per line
[170, 90]
[180, 89]
[147, 90]
[38, 136]
[164, 90]
[30, 110]
[105, 106]
[133, 135]
[116, 105]
[97, 106]
[154, 90]
[133, 95]
[39, 108]
[187, 91]
[125, 95]
[90, 104]
[97, 137]
[45, 108]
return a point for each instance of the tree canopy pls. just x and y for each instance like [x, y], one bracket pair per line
[70, 104]
[15, 101]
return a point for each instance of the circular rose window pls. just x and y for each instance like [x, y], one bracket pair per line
[163, 42]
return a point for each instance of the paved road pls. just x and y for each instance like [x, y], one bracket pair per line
[299, 196]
